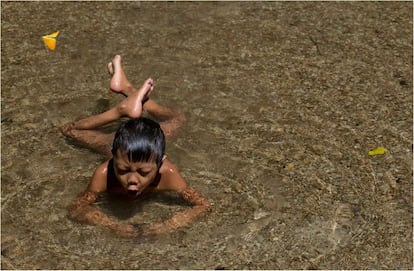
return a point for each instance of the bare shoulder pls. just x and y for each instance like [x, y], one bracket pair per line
[171, 178]
[99, 178]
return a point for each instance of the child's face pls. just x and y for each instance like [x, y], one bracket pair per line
[134, 176]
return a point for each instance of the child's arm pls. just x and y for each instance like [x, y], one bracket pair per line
[82, 210]
[200, 205]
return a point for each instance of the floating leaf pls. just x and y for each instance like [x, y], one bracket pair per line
[377, 151]
[50, 40]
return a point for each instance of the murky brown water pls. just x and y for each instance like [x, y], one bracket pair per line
[283, 100]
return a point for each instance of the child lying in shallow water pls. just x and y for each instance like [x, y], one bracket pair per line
[137, 163]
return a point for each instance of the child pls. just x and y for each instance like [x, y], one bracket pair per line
[136, 162]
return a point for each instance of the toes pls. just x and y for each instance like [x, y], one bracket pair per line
[149, 82]
[110, 68]
[117, 60]
[67, 129]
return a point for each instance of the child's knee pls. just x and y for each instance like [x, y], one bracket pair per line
[181, 118]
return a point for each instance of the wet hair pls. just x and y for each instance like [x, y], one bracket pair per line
[141, 139]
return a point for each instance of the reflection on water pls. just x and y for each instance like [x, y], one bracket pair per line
[283, 101]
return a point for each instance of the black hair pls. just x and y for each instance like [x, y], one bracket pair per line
[141, 139]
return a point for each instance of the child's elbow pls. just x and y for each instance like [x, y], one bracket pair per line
[197, 200]
[76, 211]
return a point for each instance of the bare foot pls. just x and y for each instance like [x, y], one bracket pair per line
[67, 129]
[132, 106]
[119, 82]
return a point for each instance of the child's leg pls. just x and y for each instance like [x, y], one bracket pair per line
[82, 130]
[130, 107]
[119, 82]
[169, 119]
[95, 140]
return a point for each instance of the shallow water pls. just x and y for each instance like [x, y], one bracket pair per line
[283, 101]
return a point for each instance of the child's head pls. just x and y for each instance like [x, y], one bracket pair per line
[141, 139]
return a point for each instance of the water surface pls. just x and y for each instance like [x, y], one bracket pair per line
[283, 101]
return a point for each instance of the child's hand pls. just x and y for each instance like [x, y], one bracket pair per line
[128, 230]
[154, 229]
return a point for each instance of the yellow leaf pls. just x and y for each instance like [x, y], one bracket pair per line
[50, 40]
[53, 35]
[379, 150]
[50, 43]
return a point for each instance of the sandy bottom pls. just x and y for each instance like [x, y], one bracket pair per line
[283, 101]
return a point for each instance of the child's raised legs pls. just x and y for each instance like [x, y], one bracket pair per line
[83, 130]
[119, 82]
[132, 106]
